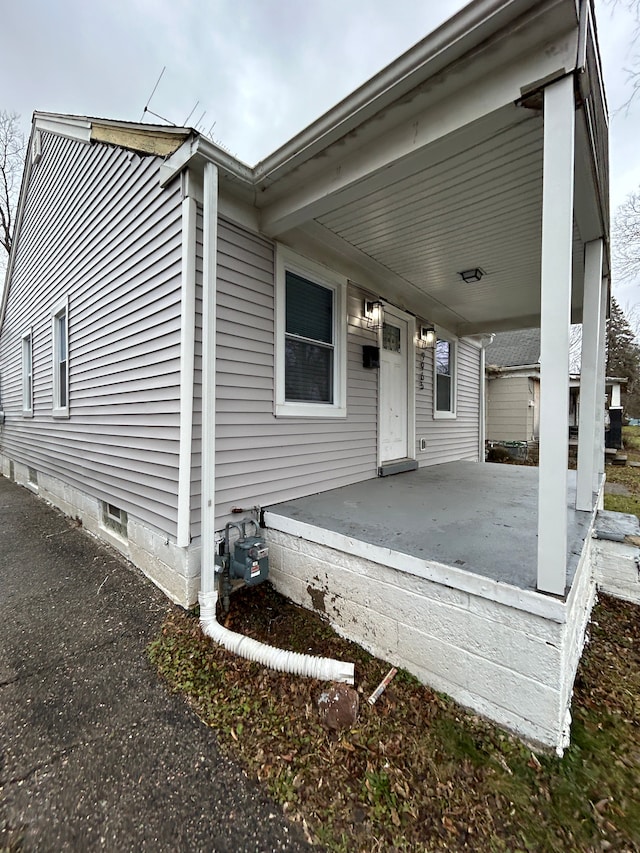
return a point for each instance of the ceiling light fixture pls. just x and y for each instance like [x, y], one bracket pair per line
[469, 276]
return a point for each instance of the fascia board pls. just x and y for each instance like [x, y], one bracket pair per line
[71, 127]
[473, 25]
[201, 148]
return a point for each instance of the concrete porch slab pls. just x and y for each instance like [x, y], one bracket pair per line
[477, 517]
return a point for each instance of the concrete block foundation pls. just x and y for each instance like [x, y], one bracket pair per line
[514, 661]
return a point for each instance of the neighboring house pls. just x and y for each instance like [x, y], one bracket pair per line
[182, 335]
[513, 386]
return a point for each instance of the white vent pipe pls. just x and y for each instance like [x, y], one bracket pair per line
[324, 669]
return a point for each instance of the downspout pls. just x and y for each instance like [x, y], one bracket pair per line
[485, 340]
[324, 669]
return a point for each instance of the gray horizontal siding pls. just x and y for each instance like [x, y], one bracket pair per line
[261, 459]
[509, 417]
[449, 439]
[99, 229]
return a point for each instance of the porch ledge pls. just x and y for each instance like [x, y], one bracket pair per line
[529, 601]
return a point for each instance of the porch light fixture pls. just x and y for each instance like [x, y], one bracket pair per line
[469, 276]
[373, 312]
[427, 337]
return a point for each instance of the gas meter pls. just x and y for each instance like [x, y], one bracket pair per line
[249, 560]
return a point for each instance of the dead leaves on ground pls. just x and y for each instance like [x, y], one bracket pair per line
[417, 772]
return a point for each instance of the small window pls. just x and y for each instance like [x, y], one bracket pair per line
[27, 374]
[114, 519]
[114, 513]
[310, 340]
[60, 336]
[445, 378]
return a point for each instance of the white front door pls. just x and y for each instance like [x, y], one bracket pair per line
[396, 345]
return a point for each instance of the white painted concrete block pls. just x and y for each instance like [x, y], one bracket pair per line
[546, 630]
[510, 647]
[289, 586]
[505, 688]
[616, 568]
[527, 729]
[515, 666]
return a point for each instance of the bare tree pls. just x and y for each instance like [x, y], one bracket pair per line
[575, 348]
[633, 69]
[12, 146]
[626, 237]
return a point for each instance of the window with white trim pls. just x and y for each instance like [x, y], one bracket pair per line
[60, 340]
[310, 339]
[27, 374]
[444, 382]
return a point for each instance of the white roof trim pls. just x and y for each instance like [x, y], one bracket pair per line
[70, 127]
[457, 36]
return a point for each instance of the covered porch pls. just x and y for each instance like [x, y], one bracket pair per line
[476, 202]
[462, 191]
[436, 571]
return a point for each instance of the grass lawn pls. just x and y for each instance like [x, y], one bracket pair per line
[626, 479]
[417, 772]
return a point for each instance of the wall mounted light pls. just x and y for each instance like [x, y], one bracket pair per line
[373, 313]
[426, 337]
[469, 276]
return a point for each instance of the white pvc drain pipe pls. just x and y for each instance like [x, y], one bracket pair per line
[324, 669]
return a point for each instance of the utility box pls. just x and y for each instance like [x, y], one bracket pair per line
[370, 357]
[250, 560]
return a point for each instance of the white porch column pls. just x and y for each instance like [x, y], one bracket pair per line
[616, 403]
[555, 322]
[598, 462]
[587, 435]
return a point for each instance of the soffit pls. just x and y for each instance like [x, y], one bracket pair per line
[480, 207]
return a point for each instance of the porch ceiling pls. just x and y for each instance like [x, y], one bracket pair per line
[474, 202]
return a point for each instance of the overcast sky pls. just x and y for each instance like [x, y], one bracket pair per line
[260, 69]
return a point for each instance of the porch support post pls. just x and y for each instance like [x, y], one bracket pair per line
[587, 435]
[598, 462]
[555, 316]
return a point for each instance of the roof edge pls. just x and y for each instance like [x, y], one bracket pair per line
[456, 36]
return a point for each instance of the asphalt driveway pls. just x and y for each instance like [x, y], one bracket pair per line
[94, 753]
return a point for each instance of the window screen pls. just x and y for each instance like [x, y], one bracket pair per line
[309, 341]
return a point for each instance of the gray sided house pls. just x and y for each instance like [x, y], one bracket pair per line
[512, 389]
[513, 386]
[182, 334]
